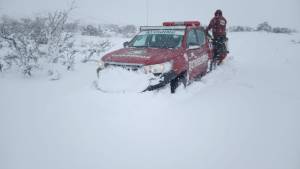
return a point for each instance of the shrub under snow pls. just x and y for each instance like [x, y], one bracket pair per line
[42, 42]
[261, 27]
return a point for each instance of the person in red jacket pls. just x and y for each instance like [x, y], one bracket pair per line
[218, 26]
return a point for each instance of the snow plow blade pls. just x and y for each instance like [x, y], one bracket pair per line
[120, 80]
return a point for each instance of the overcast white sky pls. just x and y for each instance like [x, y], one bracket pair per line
[284, 13]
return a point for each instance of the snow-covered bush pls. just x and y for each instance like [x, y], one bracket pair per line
[240, 29]
[73, 27]
[42, 39]
[267, 28]
[93, 50]
[116, 30]
[295, 41]
[128, 30]
[261, 27]
[23, 37]
[264, 27]
[282, 30]
[91, 30]
[60, 42]
[113, 28]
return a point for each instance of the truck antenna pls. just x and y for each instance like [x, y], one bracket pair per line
[147, 12]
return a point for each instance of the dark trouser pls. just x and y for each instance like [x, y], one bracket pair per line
[220, 50]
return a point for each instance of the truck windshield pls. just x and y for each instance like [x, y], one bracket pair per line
[158, 39]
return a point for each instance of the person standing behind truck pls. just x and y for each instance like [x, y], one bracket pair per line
[218, 26]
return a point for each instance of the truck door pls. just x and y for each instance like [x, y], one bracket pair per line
[204, 50]
[194, 53]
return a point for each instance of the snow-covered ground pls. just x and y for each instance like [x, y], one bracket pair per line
[244, 115]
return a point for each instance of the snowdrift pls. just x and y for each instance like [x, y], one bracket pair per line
[244, 115]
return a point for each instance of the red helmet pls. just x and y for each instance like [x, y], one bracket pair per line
[218, 12]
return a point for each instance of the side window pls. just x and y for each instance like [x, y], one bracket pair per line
[201, 36]
[191, 38]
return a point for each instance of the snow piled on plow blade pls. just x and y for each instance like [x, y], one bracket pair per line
[121, 80]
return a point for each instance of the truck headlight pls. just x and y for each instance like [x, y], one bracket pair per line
[159, 68]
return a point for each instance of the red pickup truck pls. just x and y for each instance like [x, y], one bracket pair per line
[173, 53]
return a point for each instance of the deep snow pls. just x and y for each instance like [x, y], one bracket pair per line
[244, 115]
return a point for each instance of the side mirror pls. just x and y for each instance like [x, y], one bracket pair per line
[126, 44]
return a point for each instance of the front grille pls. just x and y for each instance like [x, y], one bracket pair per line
[127, 66]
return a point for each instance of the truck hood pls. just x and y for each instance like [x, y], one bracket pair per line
[145, 56]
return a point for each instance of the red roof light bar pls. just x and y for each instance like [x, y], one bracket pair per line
[185, 23]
